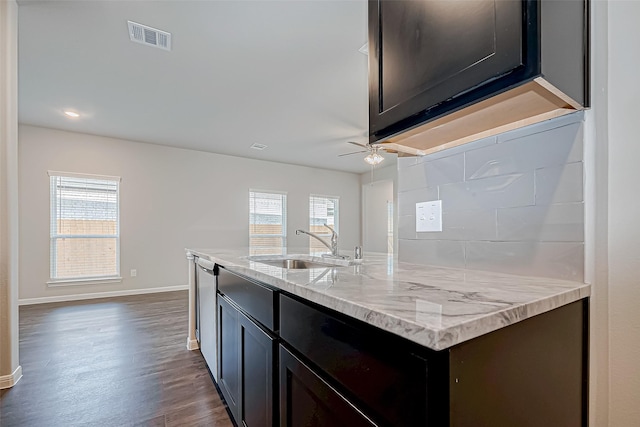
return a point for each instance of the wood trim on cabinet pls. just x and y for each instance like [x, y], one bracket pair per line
[532, 102]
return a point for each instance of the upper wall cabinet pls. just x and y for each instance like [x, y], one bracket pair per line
[446, 72]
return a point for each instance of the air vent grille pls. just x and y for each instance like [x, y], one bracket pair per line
[149, 36]
[257, 146]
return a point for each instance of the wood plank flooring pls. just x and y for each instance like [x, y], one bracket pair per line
[111, 362]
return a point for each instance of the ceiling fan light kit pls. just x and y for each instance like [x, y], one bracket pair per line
[374, 158]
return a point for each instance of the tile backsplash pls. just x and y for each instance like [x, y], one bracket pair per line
[512, 203]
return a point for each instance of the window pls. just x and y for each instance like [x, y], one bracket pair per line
[322, 210]
[267, 221]
[389, 227]
[85, 228]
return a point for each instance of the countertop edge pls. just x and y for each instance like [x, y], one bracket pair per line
[440, 339]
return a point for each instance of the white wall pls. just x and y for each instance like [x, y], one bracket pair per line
[170, 199]
[624, 213]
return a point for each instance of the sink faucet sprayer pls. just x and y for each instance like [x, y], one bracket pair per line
[333, 247]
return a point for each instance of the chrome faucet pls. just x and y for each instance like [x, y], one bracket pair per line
[333, 247]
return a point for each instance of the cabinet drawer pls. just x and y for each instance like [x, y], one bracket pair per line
[383, 374]
[256, 300]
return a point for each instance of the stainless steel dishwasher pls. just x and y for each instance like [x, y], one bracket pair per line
[207, 314]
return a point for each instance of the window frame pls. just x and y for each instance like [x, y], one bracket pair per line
[54, 235]
[283, 235]
[336, 215]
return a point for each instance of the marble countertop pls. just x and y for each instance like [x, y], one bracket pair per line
[436, 307]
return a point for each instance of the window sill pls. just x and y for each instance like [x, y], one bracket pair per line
[78, 282]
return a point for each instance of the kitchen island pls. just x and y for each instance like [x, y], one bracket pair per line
[492, 343]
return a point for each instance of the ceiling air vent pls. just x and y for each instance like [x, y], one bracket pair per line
[257, 146]
[149, 36]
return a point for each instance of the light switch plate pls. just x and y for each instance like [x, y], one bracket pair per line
[429, 216]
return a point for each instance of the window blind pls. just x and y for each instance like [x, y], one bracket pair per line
[322, 210]
[85, 228]
[267, 220]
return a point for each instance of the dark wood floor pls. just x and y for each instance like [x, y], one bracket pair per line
[111, 362]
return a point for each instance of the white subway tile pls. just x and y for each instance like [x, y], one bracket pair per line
[552, 223]
[432, 252]
[489, 193]
[465, 225]
[562, 184]
[408, 199]
[557, 260]
[407, 227]
[551, 148]
[444, 171]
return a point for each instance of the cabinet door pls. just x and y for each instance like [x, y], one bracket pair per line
[422, 53]
[229, 355]
[257, 375]
[307, 400]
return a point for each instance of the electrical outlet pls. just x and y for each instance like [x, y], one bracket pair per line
[429, 216]
[134, 273]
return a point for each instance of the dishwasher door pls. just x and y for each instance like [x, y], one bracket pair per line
[207, 307]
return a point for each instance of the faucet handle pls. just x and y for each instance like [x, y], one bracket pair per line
[358, 253]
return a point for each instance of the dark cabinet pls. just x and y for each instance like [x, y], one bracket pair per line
[428, 58]
[394, 384]
[229, 354]
[530, 373]
[247, 351]
[257, 352]
[429, 51]
[322, 368]
[254, 298]
[307, 400]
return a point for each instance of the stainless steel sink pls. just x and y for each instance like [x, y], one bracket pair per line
[296, 263]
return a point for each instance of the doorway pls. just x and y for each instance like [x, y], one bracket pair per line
[378, 217]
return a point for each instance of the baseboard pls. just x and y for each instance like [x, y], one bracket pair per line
[77, 297]
[7, 381]
[192, 344]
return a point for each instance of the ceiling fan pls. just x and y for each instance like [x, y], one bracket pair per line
[374, 157]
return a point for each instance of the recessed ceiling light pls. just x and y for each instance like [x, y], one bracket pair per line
[71, 114]
[258, 146]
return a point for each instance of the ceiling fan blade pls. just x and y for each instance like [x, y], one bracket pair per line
[355, 152]
[358, 144]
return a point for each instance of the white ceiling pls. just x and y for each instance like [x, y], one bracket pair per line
[286, 74]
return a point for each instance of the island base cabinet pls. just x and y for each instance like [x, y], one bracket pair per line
[533, 373]
[307, 400]
[246, 367]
